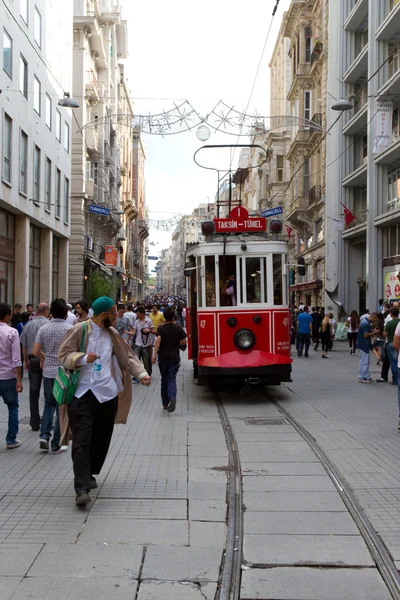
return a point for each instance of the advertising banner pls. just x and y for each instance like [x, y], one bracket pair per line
[391, 285]
[111, 256]
[383, 126]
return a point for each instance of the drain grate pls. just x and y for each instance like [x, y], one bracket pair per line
[271, 421]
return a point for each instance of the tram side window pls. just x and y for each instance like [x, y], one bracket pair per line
[199, 282]
[253, 279]
[277, 271]
[210, 281]
[228, 280]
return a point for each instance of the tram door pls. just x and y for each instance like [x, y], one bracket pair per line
[191, 318]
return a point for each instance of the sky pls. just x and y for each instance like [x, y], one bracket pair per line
[202, 52]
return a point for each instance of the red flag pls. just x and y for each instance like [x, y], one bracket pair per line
[348, 215]
[288, 231]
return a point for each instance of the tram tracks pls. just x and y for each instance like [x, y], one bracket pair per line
[380, 554]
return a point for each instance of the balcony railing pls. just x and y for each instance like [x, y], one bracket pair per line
[315, 195]
[360, 213]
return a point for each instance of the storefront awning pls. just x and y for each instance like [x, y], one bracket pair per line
[102, 267]
[316, 284]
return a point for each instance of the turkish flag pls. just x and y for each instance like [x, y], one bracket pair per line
[289, 231]
[348, 215]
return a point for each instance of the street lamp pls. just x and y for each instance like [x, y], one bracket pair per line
[67, 101]
[342, 104]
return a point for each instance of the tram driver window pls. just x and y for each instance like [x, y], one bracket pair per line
[210, 281]
[253, 280]
[228, 281]
[277, 270]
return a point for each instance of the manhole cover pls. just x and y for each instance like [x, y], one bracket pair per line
[25, 421]
[272, 421]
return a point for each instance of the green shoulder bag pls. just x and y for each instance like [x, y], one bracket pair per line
[66, 381]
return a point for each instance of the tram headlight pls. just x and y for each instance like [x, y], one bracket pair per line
[244, 339]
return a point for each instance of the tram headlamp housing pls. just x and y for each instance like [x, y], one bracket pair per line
[244, 339]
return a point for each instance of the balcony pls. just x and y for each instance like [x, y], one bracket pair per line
[302, 137]
[91, 90]
[358, 17]
[143, 229]
[360, 212]
[92, 139]
[390, 28]
[358, 122]
[298, 208]
[315, 196]
[358, 68]
[358, 177]
[390, 88]
[129, 205]
[302, 73]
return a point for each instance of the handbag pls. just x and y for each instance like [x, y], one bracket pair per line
[66, 381]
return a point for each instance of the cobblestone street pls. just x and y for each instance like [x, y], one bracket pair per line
[157, 523]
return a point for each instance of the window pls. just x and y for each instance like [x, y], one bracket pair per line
[66, 136]
[36, 174]
[58, 193]
[23, 162]
[24, 10]
[306, 177]
[23, 76]
[66, 200]
[7, 147]
[229, 288]
[199, 282]
[365, 147]
[36, 94]
[307, 107]
[210, 281]
[361, 40]
[253, 279]
[7, 53]
[279, 168]
[308, 36]
[58, 125]
[48, 184]
[48, 111]
[393, 197]
[277, 274]
[394, 58]
[319, 234]
[395, 123]
[56, 265]
[38, 27]
[34, 264]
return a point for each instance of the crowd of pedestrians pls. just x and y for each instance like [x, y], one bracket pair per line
[110, 345]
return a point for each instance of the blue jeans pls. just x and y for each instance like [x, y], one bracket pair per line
[393, 356]
[8, 391]
[168, 381]
[303, 338]
[398, 388]
[50, 405]
[364, 365]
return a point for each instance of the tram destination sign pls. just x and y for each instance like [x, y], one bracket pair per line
[239, 221]
[271, 212]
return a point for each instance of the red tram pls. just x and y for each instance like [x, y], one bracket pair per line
[238, 316]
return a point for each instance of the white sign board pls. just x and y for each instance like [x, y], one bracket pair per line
[383, 126]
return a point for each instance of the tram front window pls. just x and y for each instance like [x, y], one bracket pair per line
[210, 281]
[277, 270]
[253, 279]
[228, 280]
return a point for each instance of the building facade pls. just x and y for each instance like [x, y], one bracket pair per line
[36, 145]
[368, 63]
[100, 42]
[139, 231]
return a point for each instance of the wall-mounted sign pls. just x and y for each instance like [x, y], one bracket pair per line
[271, 212]
[240, 221]
[110, 256]
[383, 126]
[391, 285]
[99, 210]
[153, 257]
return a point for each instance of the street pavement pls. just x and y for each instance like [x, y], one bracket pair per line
[157, 523]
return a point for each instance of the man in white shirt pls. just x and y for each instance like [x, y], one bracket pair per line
[143, 329]
[70, 318]
[130, 315]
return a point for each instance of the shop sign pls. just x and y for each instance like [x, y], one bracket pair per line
[383, 126]
[239, 221]
[111, 256]
[391, 285]
[99, 210]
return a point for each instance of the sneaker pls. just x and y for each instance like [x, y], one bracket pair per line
[381, 380]
[82, 498]
[15, 444]
[324, 356]
[44, 445]
[365, 380]
[59, 450]
[306, 356]
[171, 405]
[299, 354]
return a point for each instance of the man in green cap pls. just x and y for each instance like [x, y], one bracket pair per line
[104, 392]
